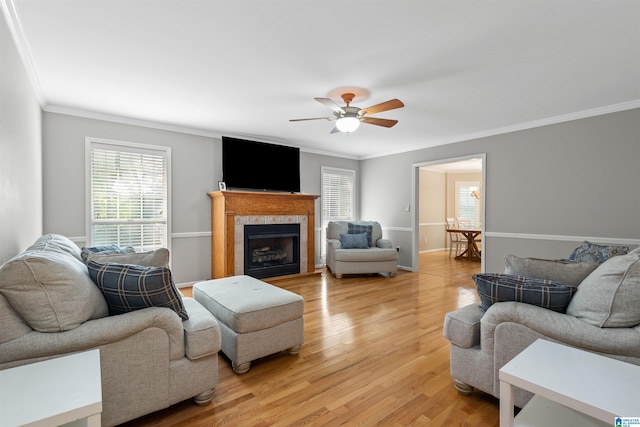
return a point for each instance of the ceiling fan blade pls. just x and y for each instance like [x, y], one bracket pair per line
[384, 106]
[335, 130]
[313, 118]
[379, 122]
[329, 103]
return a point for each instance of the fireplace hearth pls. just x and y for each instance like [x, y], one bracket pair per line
[271, 250]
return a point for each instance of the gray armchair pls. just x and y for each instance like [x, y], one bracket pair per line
[346, 256]
[150, 358]
[602, 317]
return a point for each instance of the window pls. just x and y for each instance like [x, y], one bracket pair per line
[338, 198]
[127, 194]
[467, 205]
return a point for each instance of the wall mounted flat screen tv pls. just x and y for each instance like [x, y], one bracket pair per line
[252, 165]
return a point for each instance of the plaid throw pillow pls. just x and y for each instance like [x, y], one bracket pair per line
[493, 288]
[128, 287]
[361, 228]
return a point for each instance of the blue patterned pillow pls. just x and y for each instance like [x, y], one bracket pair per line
[105, 250]
[128, 287]
[361, 228]
[354, 241]
[495, 287]
[589, 252]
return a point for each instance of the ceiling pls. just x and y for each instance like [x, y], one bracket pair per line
[464, 69]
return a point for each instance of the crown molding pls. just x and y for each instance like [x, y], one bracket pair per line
[614, 108]
[15, 28]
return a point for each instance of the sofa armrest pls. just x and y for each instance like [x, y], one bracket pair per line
[561, 327]
[384, 243]
[462, 326]
[334, 244]
[96, 333]
[201, 331]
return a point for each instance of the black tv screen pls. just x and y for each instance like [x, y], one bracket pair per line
[256, 165]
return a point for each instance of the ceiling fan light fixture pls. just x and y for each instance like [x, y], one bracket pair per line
[348, 123]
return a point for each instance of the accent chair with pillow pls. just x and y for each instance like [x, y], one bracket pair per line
[592, 305]
[357, 247]
[156, 347]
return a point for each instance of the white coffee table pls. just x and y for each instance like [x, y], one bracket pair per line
[571, 387]
[53, 392]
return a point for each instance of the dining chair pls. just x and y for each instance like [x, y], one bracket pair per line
[456, 240]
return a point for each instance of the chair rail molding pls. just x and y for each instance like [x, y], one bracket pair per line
[562, 238]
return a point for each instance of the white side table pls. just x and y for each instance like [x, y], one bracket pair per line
[54, 392]
[571, 387]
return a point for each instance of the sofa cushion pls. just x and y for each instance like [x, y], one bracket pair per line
[610, 296]
[367, 255]
[105, 250]
[12, 325]
[354, 241]
[157, 258]
[128, 287]
[51, 290]
[590, 252]
[361, 228]
[568, 273]
[493, 288]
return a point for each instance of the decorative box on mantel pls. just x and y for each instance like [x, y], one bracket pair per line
[232, 210]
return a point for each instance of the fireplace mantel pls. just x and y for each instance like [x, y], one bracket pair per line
[227, 205]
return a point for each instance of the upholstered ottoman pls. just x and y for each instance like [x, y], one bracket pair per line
[256, 319]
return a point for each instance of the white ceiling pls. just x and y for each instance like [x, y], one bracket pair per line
[243, 68]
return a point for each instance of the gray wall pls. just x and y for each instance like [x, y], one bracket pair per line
[196, 169]
[546, 188]
[20, 153]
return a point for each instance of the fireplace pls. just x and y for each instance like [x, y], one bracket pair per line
[271, 250]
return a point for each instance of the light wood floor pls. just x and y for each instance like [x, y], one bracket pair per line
[373, 354]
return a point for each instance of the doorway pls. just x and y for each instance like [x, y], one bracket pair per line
[434, 203]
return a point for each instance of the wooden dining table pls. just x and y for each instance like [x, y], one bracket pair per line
[472, 253]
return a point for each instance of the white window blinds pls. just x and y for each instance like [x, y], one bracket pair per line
[338, 194]
[338, 198]
[467, 206]
[128, 195]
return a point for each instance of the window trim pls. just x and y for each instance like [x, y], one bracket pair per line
[90, 143]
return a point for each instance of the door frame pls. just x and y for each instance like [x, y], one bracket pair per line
[415, 190]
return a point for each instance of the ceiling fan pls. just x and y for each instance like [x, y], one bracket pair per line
[348, 118]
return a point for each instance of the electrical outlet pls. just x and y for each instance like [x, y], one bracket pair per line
[398, 248]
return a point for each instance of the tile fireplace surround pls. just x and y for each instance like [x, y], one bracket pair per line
[232, 210]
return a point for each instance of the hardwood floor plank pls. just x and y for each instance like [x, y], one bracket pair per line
[373, 354]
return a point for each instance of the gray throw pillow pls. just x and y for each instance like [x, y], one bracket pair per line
[568, 273]
[51, 290]
[610, 296]
[157, 258]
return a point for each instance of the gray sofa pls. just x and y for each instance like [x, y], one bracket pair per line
[602, 317]
[377, 255]
[150, 358]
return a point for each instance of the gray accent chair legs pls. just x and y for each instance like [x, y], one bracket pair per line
[204, 398]
[464, 389]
